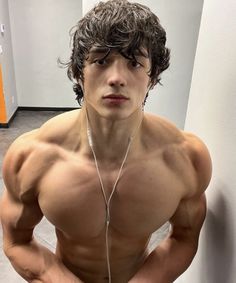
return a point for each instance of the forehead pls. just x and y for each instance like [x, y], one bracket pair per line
[103, 50]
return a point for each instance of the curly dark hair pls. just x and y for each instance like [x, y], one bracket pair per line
[121, 25]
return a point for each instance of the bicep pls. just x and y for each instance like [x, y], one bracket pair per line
[20, 211]
[189, 217]
[18, 219]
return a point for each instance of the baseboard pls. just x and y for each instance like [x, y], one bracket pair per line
[26, 108]
[29, 108]
[6, 125]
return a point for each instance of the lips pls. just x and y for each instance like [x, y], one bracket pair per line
[115, 96]
[115, 99]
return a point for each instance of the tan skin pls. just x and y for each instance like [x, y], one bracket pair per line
[50, 171]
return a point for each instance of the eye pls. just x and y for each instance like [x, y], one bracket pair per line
[135, 64]
[100, 62]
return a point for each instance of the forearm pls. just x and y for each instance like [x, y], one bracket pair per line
[35, 263]
[167, 262]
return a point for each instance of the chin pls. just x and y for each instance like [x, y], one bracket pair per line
[118, 115]
[114, 116]
[114, 112]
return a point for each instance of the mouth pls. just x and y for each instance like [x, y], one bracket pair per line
[115, 99]
[115, 96]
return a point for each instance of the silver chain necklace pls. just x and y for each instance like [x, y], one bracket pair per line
[107, 199]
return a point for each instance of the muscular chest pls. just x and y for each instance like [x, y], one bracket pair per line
[145, 197]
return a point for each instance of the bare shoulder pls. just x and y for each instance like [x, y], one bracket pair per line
[177, 144]
[56, 130]
[31, 154]
[21, 164]
[162, 130]
[200, 158]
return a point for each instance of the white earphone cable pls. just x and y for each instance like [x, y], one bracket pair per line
[107, 200]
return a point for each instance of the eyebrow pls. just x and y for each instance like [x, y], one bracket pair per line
[104, 49]
[141, 52]
[99, 49]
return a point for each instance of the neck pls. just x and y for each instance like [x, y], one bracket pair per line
[109, 137]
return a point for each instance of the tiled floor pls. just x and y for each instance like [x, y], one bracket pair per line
[44, 232]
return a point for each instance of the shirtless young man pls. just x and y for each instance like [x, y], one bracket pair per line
[153, 172]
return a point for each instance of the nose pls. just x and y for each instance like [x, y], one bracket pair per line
[117, 75]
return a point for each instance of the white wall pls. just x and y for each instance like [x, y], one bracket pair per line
[40, 33]
[88, 4]
[212, 115]
[181, 19]
[7, 63]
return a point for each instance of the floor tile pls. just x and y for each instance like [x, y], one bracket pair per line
[158, 236]
[45, 232]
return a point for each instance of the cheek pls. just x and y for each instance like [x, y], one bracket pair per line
[89, 83]
[91, 80]
[144, 85]
[143, 80]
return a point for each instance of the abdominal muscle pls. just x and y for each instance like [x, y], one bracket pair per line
[87, 259]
